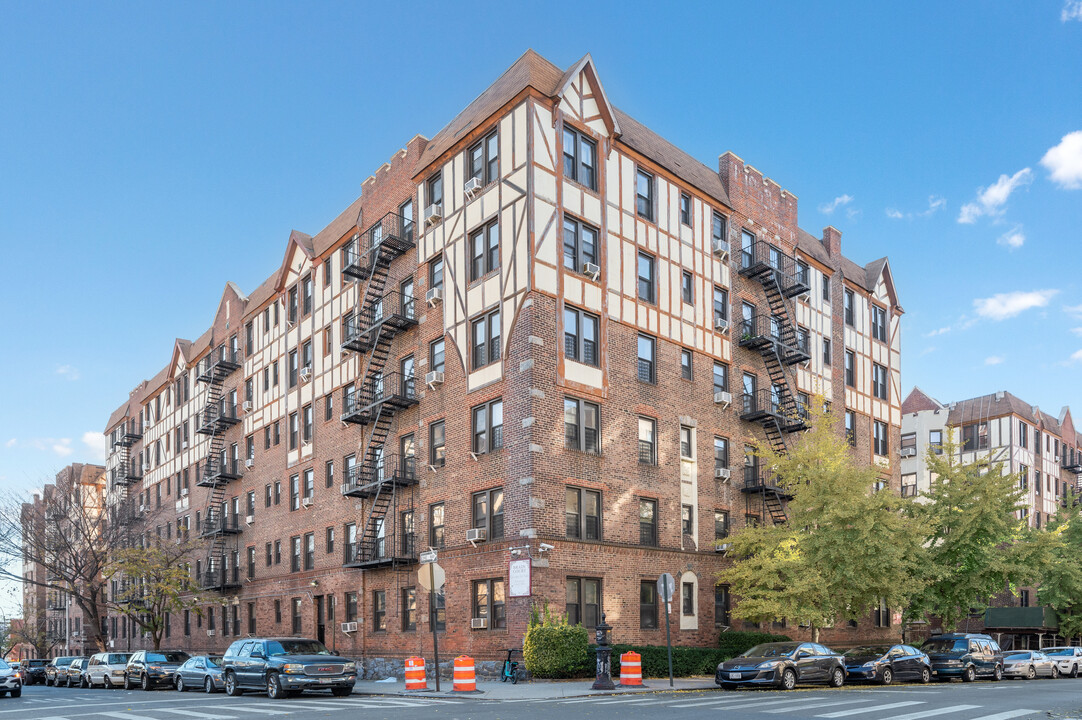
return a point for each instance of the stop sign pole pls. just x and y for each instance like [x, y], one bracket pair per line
[665, 587]
[431, 576]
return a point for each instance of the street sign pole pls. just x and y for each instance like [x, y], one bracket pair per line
[665, 587]
[432, 609]
[668, 639]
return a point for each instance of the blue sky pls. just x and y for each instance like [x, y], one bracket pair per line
[149, 152]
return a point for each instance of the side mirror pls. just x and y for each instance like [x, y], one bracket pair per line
[801, 654]
[258, 654]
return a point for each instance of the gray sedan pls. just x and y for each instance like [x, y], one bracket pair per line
[200, 672]
[1029, 664]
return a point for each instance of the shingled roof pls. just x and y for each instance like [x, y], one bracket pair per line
[918, 401]
[990, 406]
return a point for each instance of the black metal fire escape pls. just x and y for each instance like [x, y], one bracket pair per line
[218, 415]
[775, 337]
[380, 316]
[127, 471]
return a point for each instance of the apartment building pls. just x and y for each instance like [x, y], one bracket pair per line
[546, 333]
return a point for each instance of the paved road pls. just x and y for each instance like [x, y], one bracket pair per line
[1007, 700]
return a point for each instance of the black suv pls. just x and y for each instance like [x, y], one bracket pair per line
[150, 668]
[965, 655]
[783, 665]
[286, 666]
[56, 670]
[33, 671]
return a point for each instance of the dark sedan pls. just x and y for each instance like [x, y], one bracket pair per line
[782, 665]
[886, 663]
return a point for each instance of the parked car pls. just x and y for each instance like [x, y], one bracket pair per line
[10, 682]
[964, 655]
[1069, 659]
[57, 669]
[1029, 664]
[73, 676]
[33, 671]
[200, 671]
[107, 669]
[286, 666]
[149, 669]
[782, 664]
[886, 663]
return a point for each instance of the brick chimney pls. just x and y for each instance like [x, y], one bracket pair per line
[832, 240]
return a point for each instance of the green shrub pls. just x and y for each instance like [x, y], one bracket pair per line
[554, 649]
[686, 661]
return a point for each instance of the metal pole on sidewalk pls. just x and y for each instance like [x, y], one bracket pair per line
[432, 620]
[668, 639]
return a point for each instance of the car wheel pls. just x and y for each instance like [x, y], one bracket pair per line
[1031, 673]
[341, 692]
[997, 674]
[969, 674]
[275, 691]
[144, 682]
[926, 676]
[127, 682]
[886, 677]
[231, 687]
[180, 684]
[788, 679]
[837, 677]
[17, 692]
[84, 683]
[1055, 672]
[208, 685]
[107, 683]
[1074, 670]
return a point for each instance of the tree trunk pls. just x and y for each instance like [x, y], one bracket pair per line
[815, 633]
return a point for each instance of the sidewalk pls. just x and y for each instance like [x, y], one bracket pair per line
[533, 690]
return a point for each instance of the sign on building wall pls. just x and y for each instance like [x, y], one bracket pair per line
[519, 578]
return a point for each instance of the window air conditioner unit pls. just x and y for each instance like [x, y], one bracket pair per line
[344, 488]
[721, 326]
[306, 502]
[435, 377]
[146, 425]
[723, 397]
[146, 635]
[247, 406]
[720, 247]
[211, 633]
[184, 445]
[434, 295]
[433, 213]
[722, 473]
[476, 535]
[591, 270]
[723, 548]
[183, 492]
[349, 627]
[249, 519]
[142, 508]
[249, 462]
[804, 297]
[306, 373]
[75, 633]
[472, 186]
[479, 623]
[908, 452]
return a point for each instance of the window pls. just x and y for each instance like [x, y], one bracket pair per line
[879, 323]
[648, 605]
[648, 522]
[488, 427]
[306, 295]
[583, 601]
[721, 606]
[583, 513]
[484, 159]
[850, 368]
[687, 520]
[437, 441]
[909, 485]
[306, 426]
[1037, 441]
[328, 407]
[582, 426]
[484, 250]
[879, 381]
[435, 525]
[251, 562]
[721, 377]
[409, 609]
[685, 209]
[309, 484]
[277, 552]
[686, 363]
[647, 366]
[850, 312]
[486, 340]
[881, 438]
[851, 427]
[935, 441]
[435, 272]
[580, 158]
[1023, 434]
[439, 609]
[294, 493]
[909, 443]
[379, 610]
[646, 288]
[644, 195]
[687, 599]
[721, 453]
[329, 540]
[581, 330]
[488, 602]
[278, 611]
[580, 245]
[269, 557]
[975, 437]
[351, 607]
[434, 189]
[488, 512]
[292, 315]
[687, 286]
[293, 431]
[721, 525]
[647, 441]
[687, 443]
[826, 287]
[295, 553]
[292, 368]
[826, 351]
[802, 272]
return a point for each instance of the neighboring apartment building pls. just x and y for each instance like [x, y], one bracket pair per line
[546, 331]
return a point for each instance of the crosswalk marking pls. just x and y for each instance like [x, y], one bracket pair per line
[196, 714]
[124, 715]
[834, 703]
[1006, 715]
[873, 708]
[257, 710]
[745, 702]
[934, 712]
[629, 700]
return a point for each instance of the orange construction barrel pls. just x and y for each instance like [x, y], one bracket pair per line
[631, 669]
[415, 674]
[465, 675]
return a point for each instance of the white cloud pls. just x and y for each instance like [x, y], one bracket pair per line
[935, 204]
[96, 444]
[58, 446]
[895, 214]
[830, 207]
[852, 213]
[68, 372]
[1064, 161]
[1075, 310]
[1076, 357]
[993, 360]
[940, 331]
[926, 351]
[1006, 305]
[1072, 10]
[10, 443]
[1013, 238]
[990, 200]
[1077, 330]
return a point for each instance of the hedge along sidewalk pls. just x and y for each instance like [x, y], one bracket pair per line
[532, 690]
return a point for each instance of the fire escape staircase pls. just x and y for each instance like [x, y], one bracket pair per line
[380, 316]
[775, 337]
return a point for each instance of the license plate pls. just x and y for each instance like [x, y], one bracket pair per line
[326, 681]
[734, 676]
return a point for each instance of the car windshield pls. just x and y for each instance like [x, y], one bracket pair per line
[4, 665]
[296, 647]
[117, 659]
[63, 660]
[1059, 651]
[36, 663]
[214, 661]
[167, 657]
[933, 646]
[771, 650]
[1017, 656]
[876, 650]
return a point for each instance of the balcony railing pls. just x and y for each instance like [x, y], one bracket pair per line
[766, 405]
[364, 479]
[765, 333]
[219, 364]
[127, 473]
[215, 472]
[381, 551]
[388, 238]
[393, 391]
[765, 262]
[219, 524]
[218, 578]
[1072, 462]
[395, 310]
[216, 417]
[132, 433]
[759, 480]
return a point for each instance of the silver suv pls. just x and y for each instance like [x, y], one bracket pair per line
[107, 670]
